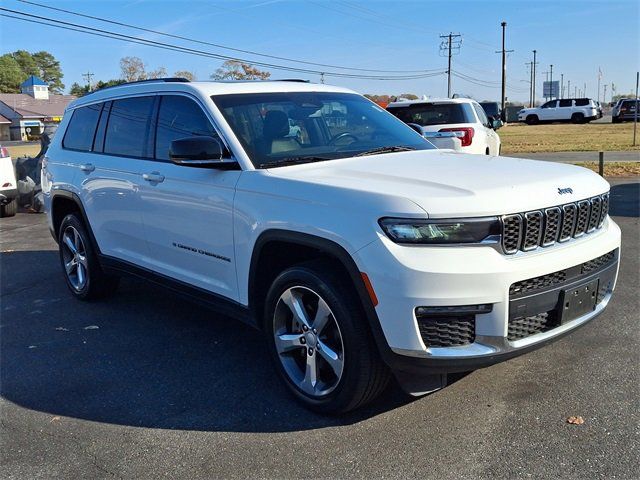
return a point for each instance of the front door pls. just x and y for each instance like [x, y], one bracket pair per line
[188, 212]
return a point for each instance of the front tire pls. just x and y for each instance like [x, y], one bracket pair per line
[320, 341]
[82, 271]
[532, 120]
[9, 209]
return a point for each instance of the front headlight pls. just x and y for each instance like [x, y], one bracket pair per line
[442, 232]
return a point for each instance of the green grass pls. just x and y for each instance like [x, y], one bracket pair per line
[521, 138]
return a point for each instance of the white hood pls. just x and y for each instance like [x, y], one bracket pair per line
[448, 184]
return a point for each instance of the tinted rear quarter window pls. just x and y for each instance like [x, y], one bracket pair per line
[128, 129]
[582, 102]
[434, 113]
[82, 128]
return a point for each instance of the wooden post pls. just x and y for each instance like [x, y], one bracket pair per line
[601, 164]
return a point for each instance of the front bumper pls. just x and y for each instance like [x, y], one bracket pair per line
[456, 276]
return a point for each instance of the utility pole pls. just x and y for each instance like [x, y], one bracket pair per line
[504, 70]
[604, 94]
[575, 91]
[599, 77]
[584, 92]
[551, 84]
[562, 85]
[450, 46]
[569, 88]
[88, 76]
[533, 89]
[530, 68]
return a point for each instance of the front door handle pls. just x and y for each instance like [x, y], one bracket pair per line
[87, 167]
[153, 177]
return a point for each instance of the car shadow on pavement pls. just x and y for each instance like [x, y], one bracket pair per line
[146, 358]
[625, 200]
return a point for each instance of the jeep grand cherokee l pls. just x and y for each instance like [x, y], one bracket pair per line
[359, 250]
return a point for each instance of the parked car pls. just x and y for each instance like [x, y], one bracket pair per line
[624, 110]
[358, 249]
[464, 117]
[578, 110]
[492, 109]
[8, 185]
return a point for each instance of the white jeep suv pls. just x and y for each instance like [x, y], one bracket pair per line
[576, 110]
[358, 249]
[462, 118]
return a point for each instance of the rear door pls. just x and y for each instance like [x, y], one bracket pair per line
[188, 212]
[566, 109]
[109, 179]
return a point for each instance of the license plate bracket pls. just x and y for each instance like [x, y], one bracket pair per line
[578, 301]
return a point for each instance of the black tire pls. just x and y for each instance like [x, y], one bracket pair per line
[9, 209]
[615, 120]
[577, 118]
[96, 283]
[364, 376]
[532, 120]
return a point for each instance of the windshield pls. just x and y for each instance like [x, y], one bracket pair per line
[278, 129]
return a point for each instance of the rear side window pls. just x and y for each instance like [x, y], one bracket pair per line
[179, 117]
[434, 113]
[566, 103]
[582, 102]
[82, 128]
[128, 129]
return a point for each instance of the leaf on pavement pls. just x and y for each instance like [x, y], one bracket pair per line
[577, 420]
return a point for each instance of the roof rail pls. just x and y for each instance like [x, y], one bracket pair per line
[290, 80]
[149, 80]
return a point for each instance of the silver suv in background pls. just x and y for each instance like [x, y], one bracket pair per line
[625, 109]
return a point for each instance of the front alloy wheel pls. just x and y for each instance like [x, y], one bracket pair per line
[308, 341]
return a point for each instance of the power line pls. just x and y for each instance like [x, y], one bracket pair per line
[224, 47]
[162, 45]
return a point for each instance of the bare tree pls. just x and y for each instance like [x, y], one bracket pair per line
[132, 69]
[159, 72]
[185, 74]
[237, 70]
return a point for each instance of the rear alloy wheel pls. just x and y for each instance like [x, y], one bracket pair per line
[577, 118]
[82, 271]
[320, 340]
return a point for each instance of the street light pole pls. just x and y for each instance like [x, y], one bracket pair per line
[533, 89]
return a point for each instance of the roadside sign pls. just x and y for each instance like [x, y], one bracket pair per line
[551, 89]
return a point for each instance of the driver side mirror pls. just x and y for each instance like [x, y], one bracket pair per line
[201, 152]
[416, 127]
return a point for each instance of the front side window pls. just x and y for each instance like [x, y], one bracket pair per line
[82, 128]
[551, 104]
[129, 130]
[482, 116]
[281, 128]
[179, 117]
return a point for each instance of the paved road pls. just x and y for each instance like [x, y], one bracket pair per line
[149, 385]
[570, 157]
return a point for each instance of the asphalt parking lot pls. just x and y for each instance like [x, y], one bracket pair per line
[149, 385]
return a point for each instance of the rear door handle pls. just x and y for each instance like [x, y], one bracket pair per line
[87, 167]
[153, 177]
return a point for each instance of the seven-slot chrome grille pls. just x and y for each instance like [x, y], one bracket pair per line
[530, 230]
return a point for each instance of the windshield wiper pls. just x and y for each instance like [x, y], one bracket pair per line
[391, 149]
[293, 161]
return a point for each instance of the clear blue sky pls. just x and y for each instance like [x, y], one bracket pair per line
[577, 37]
